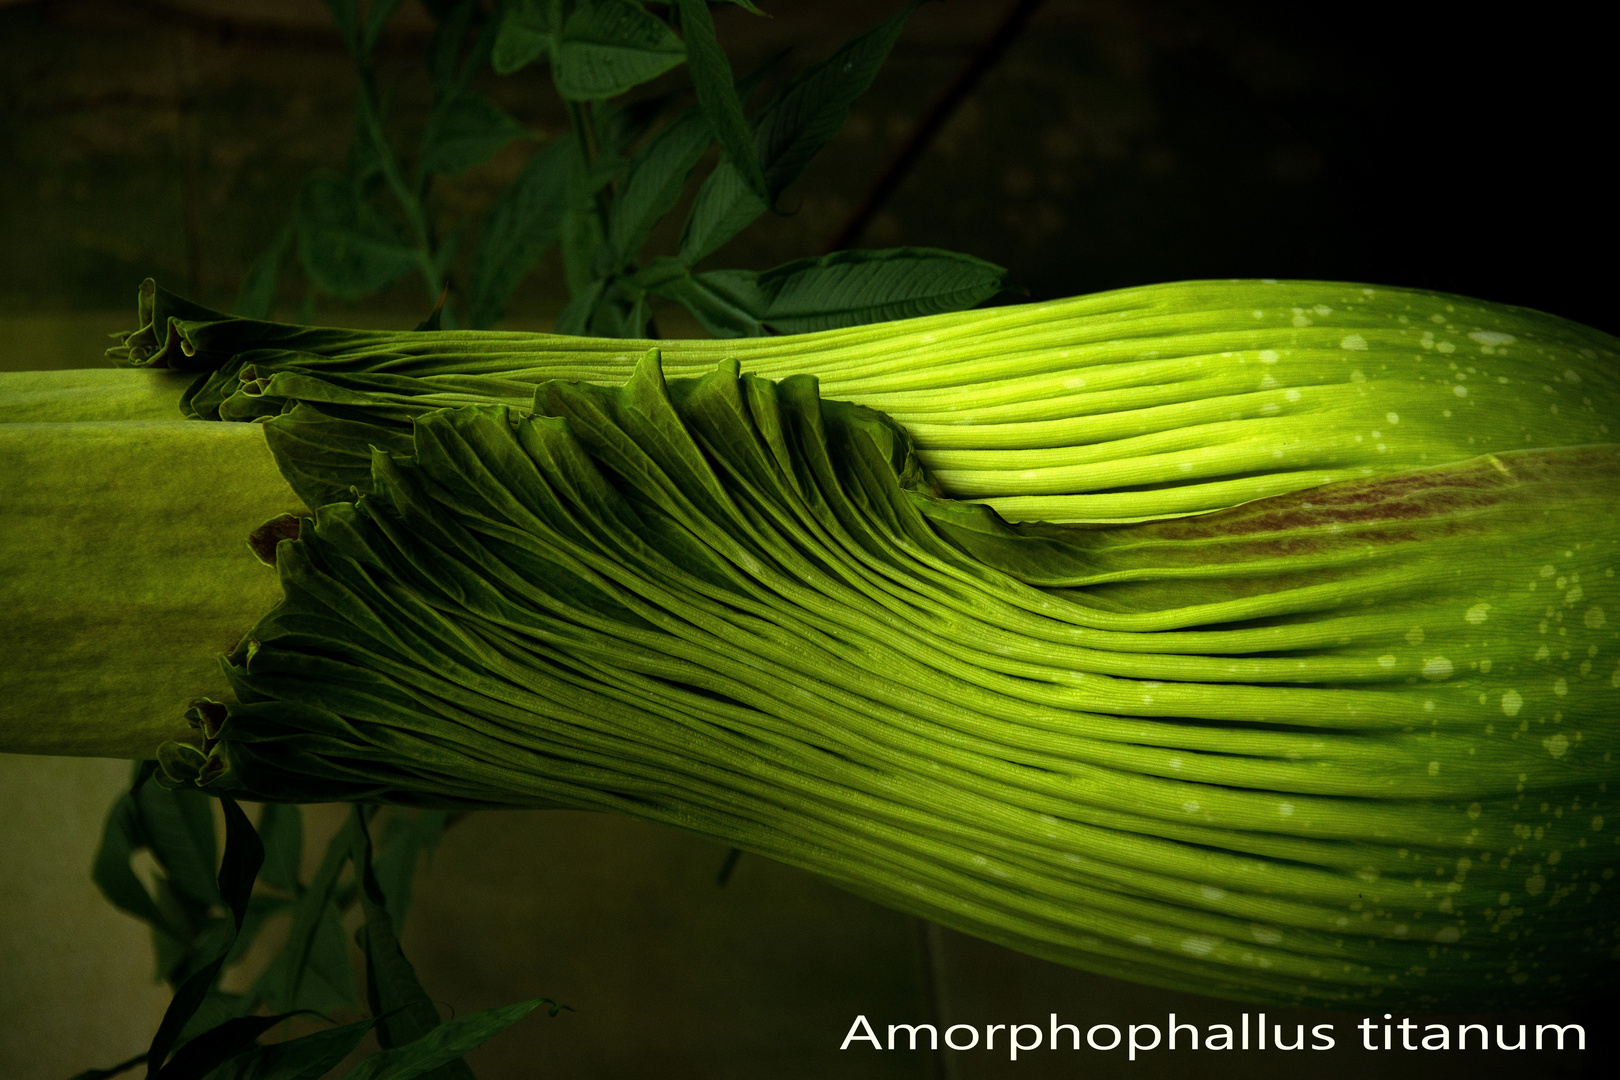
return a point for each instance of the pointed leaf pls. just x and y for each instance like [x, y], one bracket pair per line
[346, 248]
[465, 130]
[443, 1044]
[244, 854]
[392, 989]
[378, 12]
[525, 221]
[309, 1057]
[199, 1057]
[711, 78]
[850, 288]
[609, 46]
[346, 13]
[109, 1073]
[526, 35]
[258, 294]
[789, 131]
[310, 962]
[407, 838]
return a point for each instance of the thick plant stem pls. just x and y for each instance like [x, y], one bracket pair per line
[124, 564]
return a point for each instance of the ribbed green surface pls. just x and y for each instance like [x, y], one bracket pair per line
[1337, 746]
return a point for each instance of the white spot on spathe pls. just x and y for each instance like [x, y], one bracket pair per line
[1198, 946]
[1477, 613]
[1460, 390]
[1492, 337]
[1191, 806]
[1570, 376]
[1549, 570]
[1393, 418]
[1353, 342]
[1210, 892]
[1265, 935]
[1512, 702]
[1444, 347]
[1434, 768]
[1386, 661]
[1574, 595]
[1597, 822]
[1414, 636]
[1270, 408]
[1268, 383]
[1561, 687]
[1322, 309]
[1594, 618]
[1286, 809]
[1534, 885]
[1447, 934]
[1557, 745]
[1268, 356]
[1291, 394]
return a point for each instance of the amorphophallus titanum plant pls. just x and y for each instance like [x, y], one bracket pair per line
[1255, 638]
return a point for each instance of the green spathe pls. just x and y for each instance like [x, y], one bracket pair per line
[1147, 402]
[1309, 749]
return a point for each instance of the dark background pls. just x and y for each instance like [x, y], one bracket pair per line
[1113, 143]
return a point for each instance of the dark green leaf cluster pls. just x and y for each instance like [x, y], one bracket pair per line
[204, 924]
[598, 193]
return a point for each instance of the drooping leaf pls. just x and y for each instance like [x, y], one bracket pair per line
[258, 293]
[407, 838]
[527, 34]
[654, 180]
[346, 13]
[606, 47]
[312, 970]
[244, 854]
[524, 222]
[445, 1043]
[851, 288]
[346, 247]
[396, 997]
[199, 1057]
[711, 78]
[463, 131]
[378, 12]
[719, 312]
[115, 1070]
[789, 131]
[281, 828]
[308, 1057]
[444, 49]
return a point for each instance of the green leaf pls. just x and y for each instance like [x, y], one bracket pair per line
[281, 828]
[346, 247]
[312, 970]
[711, 78]
[306, 1058]
[789, 131]
[716, 310]
[445, 1043]
[199, 1057]
[527, 34]
[444, 49]
[653, 182]
[258, 293]
[378, 12]
[109, 1073]
[851, 288]
[608, 310]
[392, 990]
[464, 130]
[524, 222]
[609, 46]
[406, 838]
[244, 854]
[123, 835]
[346, 14]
